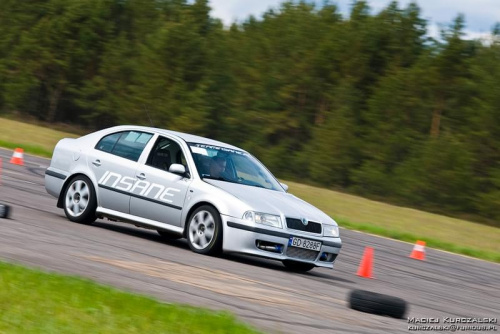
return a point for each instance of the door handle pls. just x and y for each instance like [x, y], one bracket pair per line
[96, 163]
[141, 176]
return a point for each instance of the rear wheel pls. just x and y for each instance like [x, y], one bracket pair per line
[298, 266]
[80, 200]
[204, 231]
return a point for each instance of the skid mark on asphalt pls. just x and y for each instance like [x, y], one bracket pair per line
[231, 285]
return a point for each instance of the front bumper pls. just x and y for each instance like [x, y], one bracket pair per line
[243, 237]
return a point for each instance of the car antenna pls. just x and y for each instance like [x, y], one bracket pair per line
[147, 113]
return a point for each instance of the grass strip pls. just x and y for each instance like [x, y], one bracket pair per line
[32, 301]
[408, 237]
[30, 149]
[381, 218]
[33, 138]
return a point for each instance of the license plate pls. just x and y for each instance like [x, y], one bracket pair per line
[304, 243]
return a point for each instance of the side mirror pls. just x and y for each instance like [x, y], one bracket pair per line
[284, 186]
[177, 169]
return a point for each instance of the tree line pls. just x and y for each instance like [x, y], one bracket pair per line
[367, 103]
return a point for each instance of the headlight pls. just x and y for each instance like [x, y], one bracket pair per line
[330, 231]
[263, 218]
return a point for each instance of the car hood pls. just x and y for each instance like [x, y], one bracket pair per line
[273, 202]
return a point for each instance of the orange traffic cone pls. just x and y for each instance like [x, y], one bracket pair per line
[418, 252]
[17, 157]
[366, 265]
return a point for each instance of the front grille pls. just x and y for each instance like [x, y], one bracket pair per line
[296, 224]
[301, 253]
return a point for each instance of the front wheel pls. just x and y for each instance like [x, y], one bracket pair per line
[80, 201]
[204, 231]
[298, 266]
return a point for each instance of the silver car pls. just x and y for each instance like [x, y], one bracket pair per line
[217, 196]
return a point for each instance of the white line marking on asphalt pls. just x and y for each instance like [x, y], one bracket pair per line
[17, 180]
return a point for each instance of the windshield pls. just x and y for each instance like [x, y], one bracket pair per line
[220, 163]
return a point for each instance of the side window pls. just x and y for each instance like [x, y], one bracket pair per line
[107, 143]
[164, 153]
[128, 145]
[181, 159]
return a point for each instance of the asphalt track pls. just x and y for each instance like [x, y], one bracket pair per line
[260, 292]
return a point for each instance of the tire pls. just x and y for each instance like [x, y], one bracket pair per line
[204, 231]
[166, 235]
[298, 266]
[377, 303]
[4, 211]
[79, 201]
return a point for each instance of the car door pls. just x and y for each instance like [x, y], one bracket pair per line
[114, 162]
[161, 194]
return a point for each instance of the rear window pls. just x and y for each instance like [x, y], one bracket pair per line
[128, 144]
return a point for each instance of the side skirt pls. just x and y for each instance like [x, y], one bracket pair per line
[142, 222]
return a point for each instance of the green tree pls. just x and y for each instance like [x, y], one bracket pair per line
[444, 181]
[52, 54]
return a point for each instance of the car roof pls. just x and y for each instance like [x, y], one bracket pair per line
[185, 136]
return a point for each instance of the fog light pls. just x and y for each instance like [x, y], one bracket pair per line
[269, 246]
[328, 257]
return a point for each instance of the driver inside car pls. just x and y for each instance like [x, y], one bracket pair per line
[218, 167]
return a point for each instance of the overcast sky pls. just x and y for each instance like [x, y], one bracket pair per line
[480, 15]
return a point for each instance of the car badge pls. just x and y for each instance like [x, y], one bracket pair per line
[304, 221]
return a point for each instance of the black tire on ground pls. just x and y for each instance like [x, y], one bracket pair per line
[166, 235]
[298, 266]
[4, 211]
[377, 303]
[203, 222]
[80, 191]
